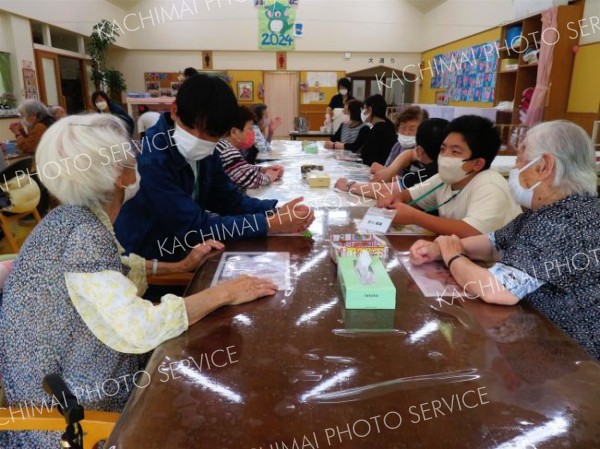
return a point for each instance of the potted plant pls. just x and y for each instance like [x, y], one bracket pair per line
[105, 78]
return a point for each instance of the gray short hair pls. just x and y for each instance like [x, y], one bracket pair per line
[80, 157]
[33, 107]
[573, 153]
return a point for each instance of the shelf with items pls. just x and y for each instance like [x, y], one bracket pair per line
[525, 36]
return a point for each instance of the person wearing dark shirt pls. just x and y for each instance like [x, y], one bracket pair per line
[351, 135]
[382, 136]
[343, 95]
[411, 166]
[182, 179]
[103, 104]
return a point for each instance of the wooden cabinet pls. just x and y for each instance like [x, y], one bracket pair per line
[513, 80]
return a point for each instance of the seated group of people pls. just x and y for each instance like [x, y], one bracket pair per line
[546, 255]
[73, 302]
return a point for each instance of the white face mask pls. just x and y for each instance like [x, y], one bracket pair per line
[191, 147]
[132, 189]
[343, 91]
[364, 116]
[522, 196]
[450, 169]
[407, 141]
[102, 105]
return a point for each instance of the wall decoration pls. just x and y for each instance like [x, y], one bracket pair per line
[245, 90]
[281, 58]
[468, 74]
[441, 98]
[152, 85]
[207, 60]
[276, 25]
[298, 29]
[30, 84]
[261, 91]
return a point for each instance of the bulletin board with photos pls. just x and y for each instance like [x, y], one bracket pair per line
[468, 74]
[162, 84]
[318, 87]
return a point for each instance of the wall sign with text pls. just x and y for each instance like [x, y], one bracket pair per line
[276, 25]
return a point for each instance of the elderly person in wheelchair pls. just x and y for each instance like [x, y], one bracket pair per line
[73, 304]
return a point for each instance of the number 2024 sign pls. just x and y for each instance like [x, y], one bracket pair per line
[276, 25]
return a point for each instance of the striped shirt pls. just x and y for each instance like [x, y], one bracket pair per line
[243, 174]
[352, 138]
[349, 135]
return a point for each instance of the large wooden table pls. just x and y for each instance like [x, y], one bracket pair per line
[298, 370]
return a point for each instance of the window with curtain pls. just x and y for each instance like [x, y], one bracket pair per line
[5, 78]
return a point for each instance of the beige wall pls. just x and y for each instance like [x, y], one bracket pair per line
[133, 63]
[15, 38]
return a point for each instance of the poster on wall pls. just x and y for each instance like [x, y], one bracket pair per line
[468, 74]
[276, 25]
[30, 84]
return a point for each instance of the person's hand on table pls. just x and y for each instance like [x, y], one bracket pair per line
[405, 214]
[272, 174]
[280, 169]
[424, 251]
[198, 255]
[328, 145]
[382, 175]
[341, 184]
[243, 289]
[375, 167]
[450, 246]
[292, 217]
[388, 201]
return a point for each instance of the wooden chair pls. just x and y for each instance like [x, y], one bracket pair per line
[19, 168]
[96, 425]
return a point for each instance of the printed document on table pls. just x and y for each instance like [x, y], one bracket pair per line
[433, 279]
[274, 266]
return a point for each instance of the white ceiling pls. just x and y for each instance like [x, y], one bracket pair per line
[124, 4]
[426, 5]
[423, 5]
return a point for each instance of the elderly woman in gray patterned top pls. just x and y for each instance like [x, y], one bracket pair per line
[72, 304]
[549, 255]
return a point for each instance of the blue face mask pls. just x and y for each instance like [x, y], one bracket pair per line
[522, 196]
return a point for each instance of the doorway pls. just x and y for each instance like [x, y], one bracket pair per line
[281, 97]
[62, 81]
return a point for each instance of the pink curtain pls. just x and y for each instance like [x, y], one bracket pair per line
[547, 40]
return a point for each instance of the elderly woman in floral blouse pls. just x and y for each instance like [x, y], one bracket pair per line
[72, 304]
[549, 256]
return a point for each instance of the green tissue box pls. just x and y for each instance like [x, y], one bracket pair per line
[369, 320]
[381, 294]
[310, 147]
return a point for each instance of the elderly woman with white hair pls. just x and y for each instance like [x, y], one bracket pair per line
[72, 304]
[549, 255]
[35, 120]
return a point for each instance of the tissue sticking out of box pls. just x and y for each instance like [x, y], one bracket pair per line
[307, 168]
[363, 268]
